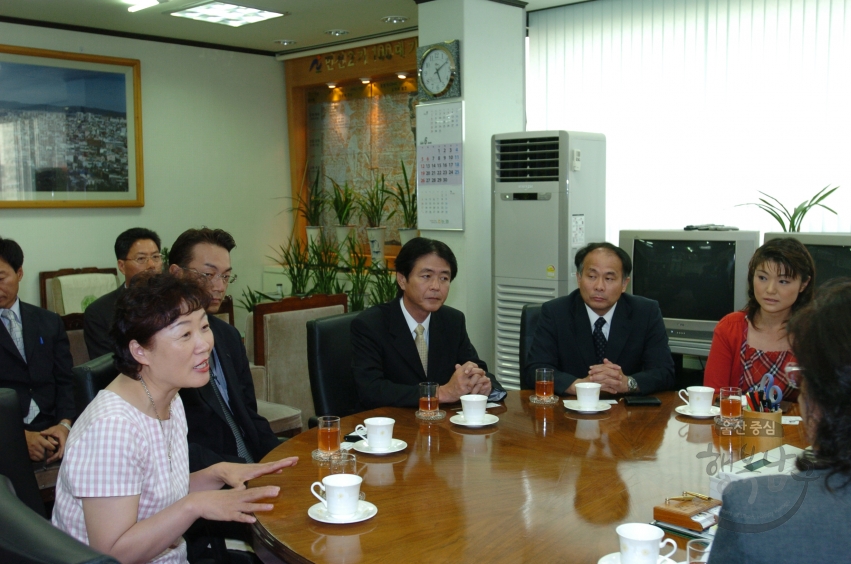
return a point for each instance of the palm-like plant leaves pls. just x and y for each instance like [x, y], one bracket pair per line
[791, 221]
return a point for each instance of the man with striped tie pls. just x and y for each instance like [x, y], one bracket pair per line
[35, 361]
[415, 338]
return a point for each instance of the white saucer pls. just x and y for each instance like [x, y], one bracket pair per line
[365, 511]
[601, 406]
[395, 446]
[487, 420]
[615, 558]
[686, 410]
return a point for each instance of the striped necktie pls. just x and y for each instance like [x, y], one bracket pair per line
[241, 448]
[14, 327]
[422, 348]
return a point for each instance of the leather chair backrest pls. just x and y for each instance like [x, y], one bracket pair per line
[329, 364]
[28, 538]
[14, 457]
[90, 378]
[528, 323]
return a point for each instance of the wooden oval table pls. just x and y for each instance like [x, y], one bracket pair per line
[544, 484]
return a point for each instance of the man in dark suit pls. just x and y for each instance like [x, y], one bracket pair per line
[415, 338]
[35, 361]
[224, 425]
[600, 334]
[136, 250]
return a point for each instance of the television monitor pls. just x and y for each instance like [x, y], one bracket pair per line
[697, 277]
[831, 252]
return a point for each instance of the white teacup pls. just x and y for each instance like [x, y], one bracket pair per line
[698, 398]
[588, 394]
[378, 432]
[341, 494]
[474, 407]
[640, 543]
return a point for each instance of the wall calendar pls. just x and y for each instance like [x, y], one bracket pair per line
[440, 166]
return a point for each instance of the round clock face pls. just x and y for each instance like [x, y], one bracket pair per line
[436, 71]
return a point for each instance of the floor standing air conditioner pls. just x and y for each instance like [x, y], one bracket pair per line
[549, 199]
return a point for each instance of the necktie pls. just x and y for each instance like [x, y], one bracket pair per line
[422, 348]
[14, 327]
[599, 340]
[241, 449]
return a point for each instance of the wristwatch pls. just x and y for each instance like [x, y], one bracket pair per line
[631, 385]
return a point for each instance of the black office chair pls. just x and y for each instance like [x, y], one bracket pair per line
[90, 378]
[329, 364]
[29, 538]
[14, 457]
[528, 323]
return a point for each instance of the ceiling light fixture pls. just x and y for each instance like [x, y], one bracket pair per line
[394, 19]
[365, 80]
[331, 85]
[337, 32]
[402, 75]
[227, 14]
[285, 42]
[142, 4]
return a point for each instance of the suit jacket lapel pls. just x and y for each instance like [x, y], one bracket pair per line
[401, 338]
[206, 392]
[29, 320]
[619, 331]
[582, 332]
[438, 345]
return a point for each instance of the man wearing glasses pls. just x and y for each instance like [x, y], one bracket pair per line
[136, 250]
[224, 425]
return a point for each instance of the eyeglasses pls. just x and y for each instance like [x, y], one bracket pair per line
[142, 260]
[210, 277]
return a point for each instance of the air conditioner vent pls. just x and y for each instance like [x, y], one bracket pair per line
[527, 160]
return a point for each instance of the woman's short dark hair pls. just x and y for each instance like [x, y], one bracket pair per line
[419, 247]
[820, 334]
[626, 262]
[792, 259]
[151, 303]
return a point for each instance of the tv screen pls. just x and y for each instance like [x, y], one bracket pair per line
[832, 261]
[690, 279]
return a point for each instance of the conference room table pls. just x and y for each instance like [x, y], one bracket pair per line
[543, 484]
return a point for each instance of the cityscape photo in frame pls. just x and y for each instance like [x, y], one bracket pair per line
[70, 130]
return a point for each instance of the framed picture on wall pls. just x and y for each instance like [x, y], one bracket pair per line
[70, 130]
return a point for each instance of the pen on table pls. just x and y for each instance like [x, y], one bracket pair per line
[679, 498]
[697, 495]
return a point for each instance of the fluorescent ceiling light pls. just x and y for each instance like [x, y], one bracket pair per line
[394, 19]
[227, 14]
[142, 4]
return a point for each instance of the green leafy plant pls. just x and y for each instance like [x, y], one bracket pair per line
[311, 203]
[383, 286]
[293, 258]
[343, 200]
[164, 253]
[406, 198]
[358, 275]
[373, 203]
[323, 266]
[250, 298]
[791, 221]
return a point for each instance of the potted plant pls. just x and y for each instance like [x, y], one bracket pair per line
[384, 285]
[372, 205]
[294, 260]
[343, 202]
[406, 200]
[322, 263]
[310, 203]
[791, 221]
[250, 298]
[359, 275]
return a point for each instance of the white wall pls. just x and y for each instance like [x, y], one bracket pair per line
[704, 103]
[215, 153]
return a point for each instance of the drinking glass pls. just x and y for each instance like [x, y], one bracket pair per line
[429, 405]
[731, 402]
[698, 551]
[328, 431]
[344, 463]
[544, 387]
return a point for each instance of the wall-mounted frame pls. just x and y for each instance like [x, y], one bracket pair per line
[70, 130]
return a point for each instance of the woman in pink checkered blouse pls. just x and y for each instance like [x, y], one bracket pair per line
[124, 486]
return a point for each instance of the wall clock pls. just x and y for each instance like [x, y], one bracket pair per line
[439, 70]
